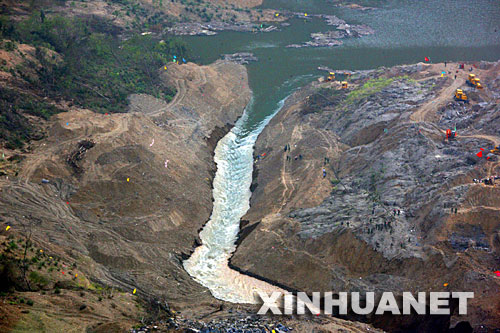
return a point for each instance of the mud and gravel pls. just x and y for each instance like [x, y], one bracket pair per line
[396, 207]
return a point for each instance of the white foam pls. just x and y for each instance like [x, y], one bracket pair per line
[209, 263]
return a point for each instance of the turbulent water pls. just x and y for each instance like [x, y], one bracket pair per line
[209, 263]
[405, 32]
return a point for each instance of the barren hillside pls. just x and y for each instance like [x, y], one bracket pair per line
[113, 192]
[396, 207]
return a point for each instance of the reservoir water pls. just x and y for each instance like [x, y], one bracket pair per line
[406, 31]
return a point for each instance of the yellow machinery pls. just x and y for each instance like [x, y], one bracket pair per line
[495, 150]
[461, 96]
[344, 84]
[330, 77]
[473, 81]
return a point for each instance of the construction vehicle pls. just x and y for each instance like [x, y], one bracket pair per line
[344, 84]
[495, 150]
[451, 134]
[461, 96]
[473, 81]
[330, 77]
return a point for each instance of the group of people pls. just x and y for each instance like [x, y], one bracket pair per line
[288, 157]
[298, 157]
[487, 180]
[379, 226]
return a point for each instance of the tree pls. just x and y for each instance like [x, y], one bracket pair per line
[28, 230]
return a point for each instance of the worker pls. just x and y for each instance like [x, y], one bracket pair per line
[324, 173]
[286, 147]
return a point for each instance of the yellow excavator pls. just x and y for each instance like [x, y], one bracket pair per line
[495, 150]
[461, 96]
[344, 84]
[473, 81]
[330, 77]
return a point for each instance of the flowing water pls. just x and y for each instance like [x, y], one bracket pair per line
[208, 264]
[406, 32]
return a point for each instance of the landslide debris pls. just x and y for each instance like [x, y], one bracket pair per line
[78, 154]
[369, 195]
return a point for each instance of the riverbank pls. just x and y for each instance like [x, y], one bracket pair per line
[125, 210]
[379, 217]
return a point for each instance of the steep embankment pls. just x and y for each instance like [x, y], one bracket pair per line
[128, 193]
[381, 219]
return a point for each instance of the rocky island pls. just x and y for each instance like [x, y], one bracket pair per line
[333, 37]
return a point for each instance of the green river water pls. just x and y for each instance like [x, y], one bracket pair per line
[405, 32]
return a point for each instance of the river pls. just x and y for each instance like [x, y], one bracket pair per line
[405, 32]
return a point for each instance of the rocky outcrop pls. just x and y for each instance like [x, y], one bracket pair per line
[369, 196]
[242, 58]
[212, 28]
[333, 37]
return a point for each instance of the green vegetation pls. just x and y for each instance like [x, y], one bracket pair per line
[38, 279]
[14, 126]
[407, 78]
[371, 87]
[375, 178]
[12, 245]
[98, 71]
[79, 60]
[334, 181]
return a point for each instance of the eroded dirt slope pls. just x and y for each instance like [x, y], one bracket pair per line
[124, 195]
[383, 216]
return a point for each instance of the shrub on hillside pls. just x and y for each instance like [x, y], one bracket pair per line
[98, 70]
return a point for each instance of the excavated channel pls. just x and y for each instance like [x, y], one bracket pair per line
[209, 263]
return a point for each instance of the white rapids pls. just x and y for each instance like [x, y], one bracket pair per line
[208, 265]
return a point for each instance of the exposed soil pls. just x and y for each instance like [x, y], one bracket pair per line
[127, 217]
[383, 151]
